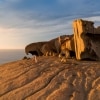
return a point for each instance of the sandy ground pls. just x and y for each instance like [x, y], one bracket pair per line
[49, 79]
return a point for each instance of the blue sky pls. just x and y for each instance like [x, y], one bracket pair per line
[26, 21]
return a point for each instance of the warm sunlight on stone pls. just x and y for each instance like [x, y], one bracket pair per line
[86, 39]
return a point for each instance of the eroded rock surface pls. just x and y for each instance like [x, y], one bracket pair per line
[46, 48]
[86, 40]
[68, 47]
[49, 79]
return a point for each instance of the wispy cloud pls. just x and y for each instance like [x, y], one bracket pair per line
[24, 24]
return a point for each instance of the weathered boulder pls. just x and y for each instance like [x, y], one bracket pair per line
[34, 48]
[46, 47]
[86, 40]
[67, 47]
[47, 50]
[53, 47]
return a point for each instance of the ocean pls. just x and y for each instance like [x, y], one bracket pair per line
[11, 55]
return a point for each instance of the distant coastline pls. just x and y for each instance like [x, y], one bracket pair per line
[10, 55]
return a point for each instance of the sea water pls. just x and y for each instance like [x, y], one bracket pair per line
[11, 55]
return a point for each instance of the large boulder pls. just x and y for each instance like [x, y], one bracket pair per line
[86, 40]
[34, 48]
[53, 47]
[46, 47]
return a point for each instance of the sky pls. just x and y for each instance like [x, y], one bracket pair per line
[26, 21]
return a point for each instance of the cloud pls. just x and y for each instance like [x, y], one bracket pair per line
[13, 1]
[95, 19]
[21, 30]
[23, 26]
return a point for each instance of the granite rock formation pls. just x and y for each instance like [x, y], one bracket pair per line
[67, 47]
[53, 47]
[34, 48]
[83, 44]
[86, 40]
[46, 47]
[49, 79]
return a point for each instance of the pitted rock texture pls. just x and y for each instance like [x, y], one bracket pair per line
[49, 79]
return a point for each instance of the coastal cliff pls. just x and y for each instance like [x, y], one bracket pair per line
[50, 79]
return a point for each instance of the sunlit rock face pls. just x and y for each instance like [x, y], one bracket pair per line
[68, 48]
[86, 40]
